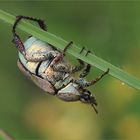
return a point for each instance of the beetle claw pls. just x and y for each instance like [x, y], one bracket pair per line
[87, 51]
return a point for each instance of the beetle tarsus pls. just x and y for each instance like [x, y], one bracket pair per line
[39, 21]
[82, 50]
[67, 46]
[87, 51]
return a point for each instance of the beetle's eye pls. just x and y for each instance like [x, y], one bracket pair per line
[85, 97]
[93, 103]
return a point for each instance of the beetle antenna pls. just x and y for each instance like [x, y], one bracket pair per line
[94, 108]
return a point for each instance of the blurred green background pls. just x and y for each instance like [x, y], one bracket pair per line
[112, 31]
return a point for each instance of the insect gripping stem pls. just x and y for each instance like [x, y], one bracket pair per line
[60, 44]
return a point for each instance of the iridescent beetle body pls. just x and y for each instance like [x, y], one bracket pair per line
[48, 68]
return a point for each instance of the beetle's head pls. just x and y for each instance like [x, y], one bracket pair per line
[87, 97]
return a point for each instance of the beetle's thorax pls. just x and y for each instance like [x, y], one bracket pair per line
[70, 92]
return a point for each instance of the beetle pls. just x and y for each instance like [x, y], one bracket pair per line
[50, 70]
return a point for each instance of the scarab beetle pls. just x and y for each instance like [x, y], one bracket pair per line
[48, 68]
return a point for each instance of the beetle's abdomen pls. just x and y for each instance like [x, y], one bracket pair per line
[43, 84]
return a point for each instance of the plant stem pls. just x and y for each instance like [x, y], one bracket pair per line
[60, 44]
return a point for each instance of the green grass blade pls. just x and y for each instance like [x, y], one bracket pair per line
[60, 44]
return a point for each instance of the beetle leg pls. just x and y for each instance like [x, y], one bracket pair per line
[16, 40]
[82, 50]
[61, 67]
[98, 78]
[74, 69]
[39, 21]
[88, 67]
[60, 56]
[78, 67]
[82, 63]
[86, 71]
[87, 52]
[67, 46]
[40, 56]
[83, 83]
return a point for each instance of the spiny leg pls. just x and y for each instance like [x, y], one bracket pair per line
[86, 71]
[39, 21]
[97, 79]
[83, 83]
[81, 66]
[60, 56]
[67, 46]
[82, 50]
[39, 55]
[17, 41]
[78, 67]
[87, 51]
[74, 69]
